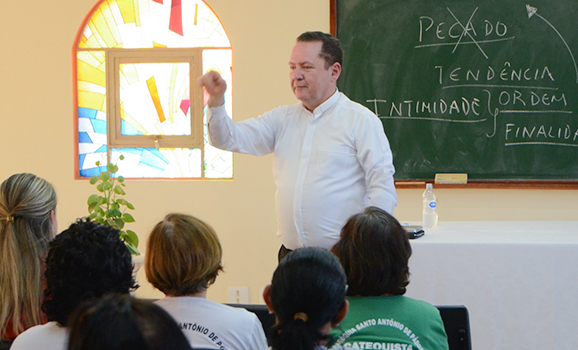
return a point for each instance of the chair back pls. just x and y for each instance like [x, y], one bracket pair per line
[457, 324]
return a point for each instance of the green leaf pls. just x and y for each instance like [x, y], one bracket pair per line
[121, 157]
[97, 163]
[92, 207]
[120, 179]
[100, 219]
[92, 199]
[127, 217]
[129, 205]
[112, 168]
[93, 179]
[114, 205]
[122, 201]
[119, 190]
[104, 176]
[92, 216]
[114, 213]
[132, 237]
[100, 188]
[132, 249]
[119, 223]
[106, 185]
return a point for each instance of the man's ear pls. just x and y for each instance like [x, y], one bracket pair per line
[335, 71]
[341, 314]
[267, 298]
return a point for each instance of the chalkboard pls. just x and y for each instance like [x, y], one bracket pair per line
[488, 88]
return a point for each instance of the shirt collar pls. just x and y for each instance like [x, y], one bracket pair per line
[325, 106]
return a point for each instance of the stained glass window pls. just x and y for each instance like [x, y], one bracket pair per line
[136, 66]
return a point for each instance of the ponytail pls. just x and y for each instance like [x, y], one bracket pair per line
[307, 292]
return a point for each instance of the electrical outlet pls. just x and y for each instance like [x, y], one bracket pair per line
[238, 295]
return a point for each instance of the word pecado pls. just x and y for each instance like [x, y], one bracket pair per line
[456, 29]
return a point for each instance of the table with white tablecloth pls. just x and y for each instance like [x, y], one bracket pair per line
[519, 280]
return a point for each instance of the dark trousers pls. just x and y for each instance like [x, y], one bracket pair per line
[282, 252]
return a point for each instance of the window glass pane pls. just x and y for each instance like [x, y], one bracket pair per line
[155, 98]
[91, 97]
[161, 163]
[218, 163]
[148, 24]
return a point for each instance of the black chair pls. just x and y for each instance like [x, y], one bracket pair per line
[457, 324]
[5, 344]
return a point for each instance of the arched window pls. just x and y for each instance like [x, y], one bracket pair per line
[136, 67]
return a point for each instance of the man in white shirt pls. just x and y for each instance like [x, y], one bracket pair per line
[331, 156]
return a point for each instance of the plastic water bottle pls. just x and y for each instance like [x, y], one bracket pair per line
[430, 214]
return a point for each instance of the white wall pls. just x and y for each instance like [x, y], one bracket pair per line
[37, 135]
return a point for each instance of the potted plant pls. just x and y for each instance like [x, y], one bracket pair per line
[109, 208]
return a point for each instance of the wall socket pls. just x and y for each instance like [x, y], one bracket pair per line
[238, 295]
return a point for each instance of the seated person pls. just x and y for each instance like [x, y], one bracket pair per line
[120, 322]
[307, 296]
[27, 224]
[183, 259]
[374, 251]
[88, 260]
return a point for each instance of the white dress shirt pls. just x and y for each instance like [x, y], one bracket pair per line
[328, 165]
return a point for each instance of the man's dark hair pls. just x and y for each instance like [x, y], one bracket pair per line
[374, 251]
[87, 260]
[331, 50]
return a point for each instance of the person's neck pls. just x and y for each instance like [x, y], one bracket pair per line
[201, 294]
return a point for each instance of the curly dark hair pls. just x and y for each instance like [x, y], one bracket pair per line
[88, 260]
[374, 251]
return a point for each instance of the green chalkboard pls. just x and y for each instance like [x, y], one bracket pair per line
[488, 88]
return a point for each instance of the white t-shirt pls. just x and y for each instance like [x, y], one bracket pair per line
[49, 336]
[211, 325]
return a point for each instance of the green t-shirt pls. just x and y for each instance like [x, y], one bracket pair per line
[390, 323]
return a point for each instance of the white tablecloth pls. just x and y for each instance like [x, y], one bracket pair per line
[519, 280]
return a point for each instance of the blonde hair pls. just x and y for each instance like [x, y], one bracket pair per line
[26, 203]
[183, 255]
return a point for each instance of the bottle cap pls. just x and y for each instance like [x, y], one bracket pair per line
[428, 186]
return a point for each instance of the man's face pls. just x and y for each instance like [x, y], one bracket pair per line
[311, 82]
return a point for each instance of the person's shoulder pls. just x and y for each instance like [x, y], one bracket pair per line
[48, 336]
[354, 106]
[422, 306]
[284, 110]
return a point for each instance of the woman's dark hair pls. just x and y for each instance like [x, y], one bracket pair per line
[374, 251]
[120, 322]
[85, 261]
[307, 291]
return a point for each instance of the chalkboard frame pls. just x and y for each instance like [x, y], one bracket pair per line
[483, 184]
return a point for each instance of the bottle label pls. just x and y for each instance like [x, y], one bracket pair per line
[432, 204]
